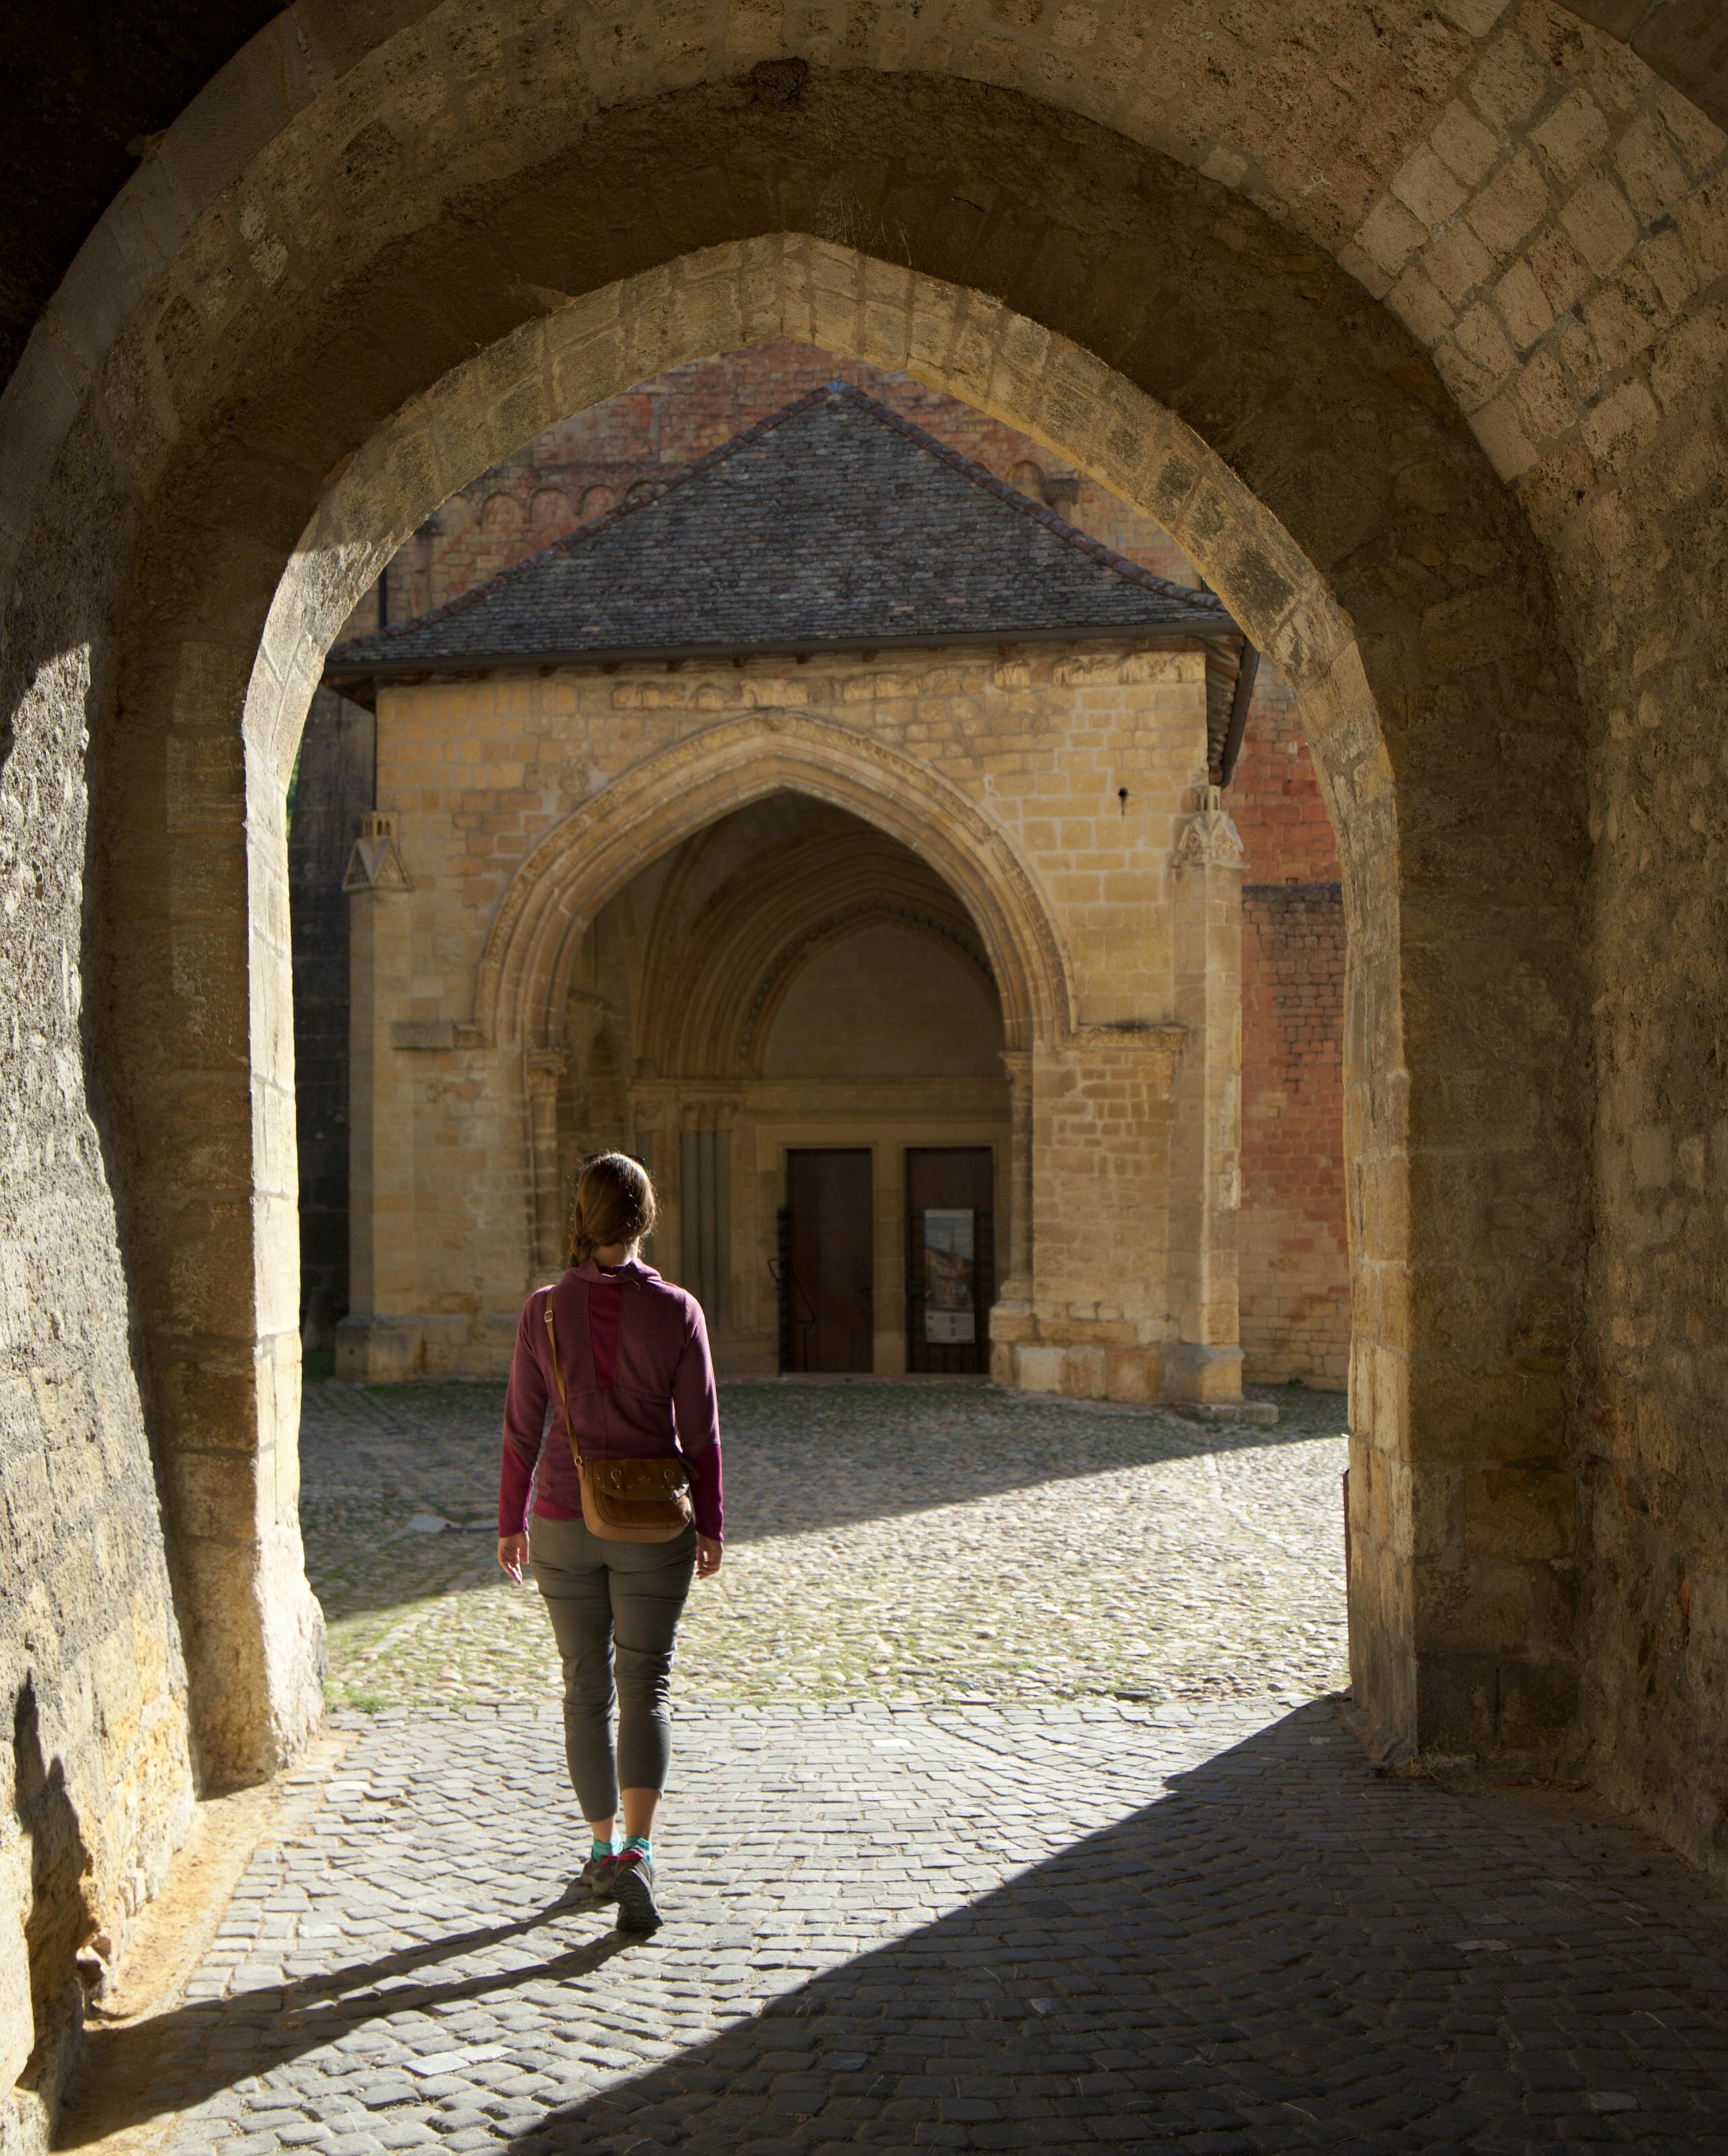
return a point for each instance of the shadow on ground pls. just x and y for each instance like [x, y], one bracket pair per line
[1286, 1951]
[146, 2069]
[375, 1456]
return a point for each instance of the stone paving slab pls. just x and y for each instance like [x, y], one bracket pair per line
[1212, 1926]
[917, 1542]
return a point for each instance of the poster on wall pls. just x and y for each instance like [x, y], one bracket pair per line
[950, 1299]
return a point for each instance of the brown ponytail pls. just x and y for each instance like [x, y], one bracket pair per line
[614, 1203]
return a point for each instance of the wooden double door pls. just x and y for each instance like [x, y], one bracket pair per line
[826, 1265]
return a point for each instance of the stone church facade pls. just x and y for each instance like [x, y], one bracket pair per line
[790, 1011]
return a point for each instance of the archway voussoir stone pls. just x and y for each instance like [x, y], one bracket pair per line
[891, 286]
[582, 354]
[515, 371]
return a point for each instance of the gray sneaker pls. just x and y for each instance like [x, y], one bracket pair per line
[633, 1888]
[597, 1876]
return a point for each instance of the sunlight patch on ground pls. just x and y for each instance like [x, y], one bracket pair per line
[1086, 1553]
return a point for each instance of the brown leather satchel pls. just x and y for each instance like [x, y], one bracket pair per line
[625, 1501]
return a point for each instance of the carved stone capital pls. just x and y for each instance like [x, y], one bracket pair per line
[706, 1112]
[376, 862]
[546, 1066]
[1209, 839]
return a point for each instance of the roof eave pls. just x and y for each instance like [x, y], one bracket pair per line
[370, 673]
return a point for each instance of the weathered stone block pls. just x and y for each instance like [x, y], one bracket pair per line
[379, 1351]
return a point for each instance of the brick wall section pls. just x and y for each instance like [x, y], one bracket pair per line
[1295, 1265]
[1294, 1256]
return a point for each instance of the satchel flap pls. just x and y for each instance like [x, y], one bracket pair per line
[638, 1480]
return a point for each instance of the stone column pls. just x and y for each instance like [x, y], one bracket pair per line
[1017, 1282]
[380, 1340]
[653, 1126]
[1204, 1364]
[544, 1071]
[1010, 1315]
[191, 1036]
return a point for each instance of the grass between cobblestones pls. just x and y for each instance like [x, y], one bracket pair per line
[900, 1542]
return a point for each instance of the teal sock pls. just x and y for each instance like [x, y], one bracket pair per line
[637, 1845]
[598, 1848]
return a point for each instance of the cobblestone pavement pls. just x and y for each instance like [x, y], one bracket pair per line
[1213, 1927]
[914, 1542]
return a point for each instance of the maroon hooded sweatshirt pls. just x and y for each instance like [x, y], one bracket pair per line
[641, 1387]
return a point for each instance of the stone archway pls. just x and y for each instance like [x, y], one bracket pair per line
[1468, 884]
[1409, 228]
[970, 345]
[519, 994]
[973, 346]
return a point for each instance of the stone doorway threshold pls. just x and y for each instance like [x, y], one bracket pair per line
[866, 1378]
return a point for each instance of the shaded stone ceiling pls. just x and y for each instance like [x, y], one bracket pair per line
[751, 900]
[89, 83]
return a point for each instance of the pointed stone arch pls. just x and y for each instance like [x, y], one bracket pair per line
[532, 942]
[1051, 270]
[952, 338]
[972, 345]
[721, 971]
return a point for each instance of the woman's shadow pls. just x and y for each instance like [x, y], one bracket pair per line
[136, 2071]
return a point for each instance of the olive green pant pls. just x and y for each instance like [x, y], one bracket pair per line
[614, 1608]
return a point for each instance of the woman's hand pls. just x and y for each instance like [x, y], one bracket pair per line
[513, 1555]
[708, 1557]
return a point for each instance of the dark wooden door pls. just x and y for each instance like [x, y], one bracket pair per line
[950, 1257]
[830, 1286]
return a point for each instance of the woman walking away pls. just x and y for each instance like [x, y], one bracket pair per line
[627, 1507]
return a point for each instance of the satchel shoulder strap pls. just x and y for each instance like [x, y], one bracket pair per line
[551, 1334]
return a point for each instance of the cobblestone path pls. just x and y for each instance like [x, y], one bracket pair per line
[910, 1542]
[901, 1929]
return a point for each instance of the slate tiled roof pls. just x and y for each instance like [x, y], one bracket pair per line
[834, 523]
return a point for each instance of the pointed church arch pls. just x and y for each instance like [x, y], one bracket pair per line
[524, 970]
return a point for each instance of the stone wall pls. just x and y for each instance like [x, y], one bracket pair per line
[96, 1771]
[1560, 241]
[332, 790]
